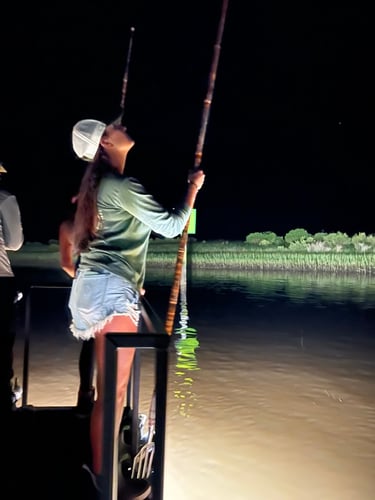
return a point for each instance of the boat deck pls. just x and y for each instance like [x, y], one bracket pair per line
[47, 447]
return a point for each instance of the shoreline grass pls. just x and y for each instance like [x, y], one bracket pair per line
[220, 255]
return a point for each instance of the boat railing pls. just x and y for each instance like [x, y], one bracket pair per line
[151, 335]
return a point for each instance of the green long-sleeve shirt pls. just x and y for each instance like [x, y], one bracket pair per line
[128, 214]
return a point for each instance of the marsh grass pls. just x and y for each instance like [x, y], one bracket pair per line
[220, 255]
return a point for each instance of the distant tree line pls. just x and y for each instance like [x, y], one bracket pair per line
[300, 240]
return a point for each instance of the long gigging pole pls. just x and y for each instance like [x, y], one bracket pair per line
[125, 77]
[173, 298]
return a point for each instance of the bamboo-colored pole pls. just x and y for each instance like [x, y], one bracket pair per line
[171, 312]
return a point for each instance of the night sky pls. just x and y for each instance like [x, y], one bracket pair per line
[290, 126]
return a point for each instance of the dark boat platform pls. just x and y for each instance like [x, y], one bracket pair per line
[44, 454]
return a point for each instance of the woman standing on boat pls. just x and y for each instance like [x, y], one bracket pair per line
[114, 219]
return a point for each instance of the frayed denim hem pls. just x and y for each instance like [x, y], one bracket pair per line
[133, 313]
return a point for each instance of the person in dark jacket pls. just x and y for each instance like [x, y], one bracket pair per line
[11, 238]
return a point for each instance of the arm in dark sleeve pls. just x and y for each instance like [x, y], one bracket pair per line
[141, 204]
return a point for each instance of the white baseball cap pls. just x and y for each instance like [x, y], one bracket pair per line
[86, 137]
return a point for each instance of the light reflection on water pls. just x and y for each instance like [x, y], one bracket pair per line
[271, 383]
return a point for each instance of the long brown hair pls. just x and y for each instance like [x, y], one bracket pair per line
[86, 216]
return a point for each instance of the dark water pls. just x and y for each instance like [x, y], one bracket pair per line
[271, 381]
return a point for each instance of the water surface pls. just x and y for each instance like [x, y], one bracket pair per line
[271, 383]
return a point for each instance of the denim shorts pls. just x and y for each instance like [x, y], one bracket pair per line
[96, 296]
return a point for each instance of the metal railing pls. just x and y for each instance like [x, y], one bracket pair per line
[151, 335]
